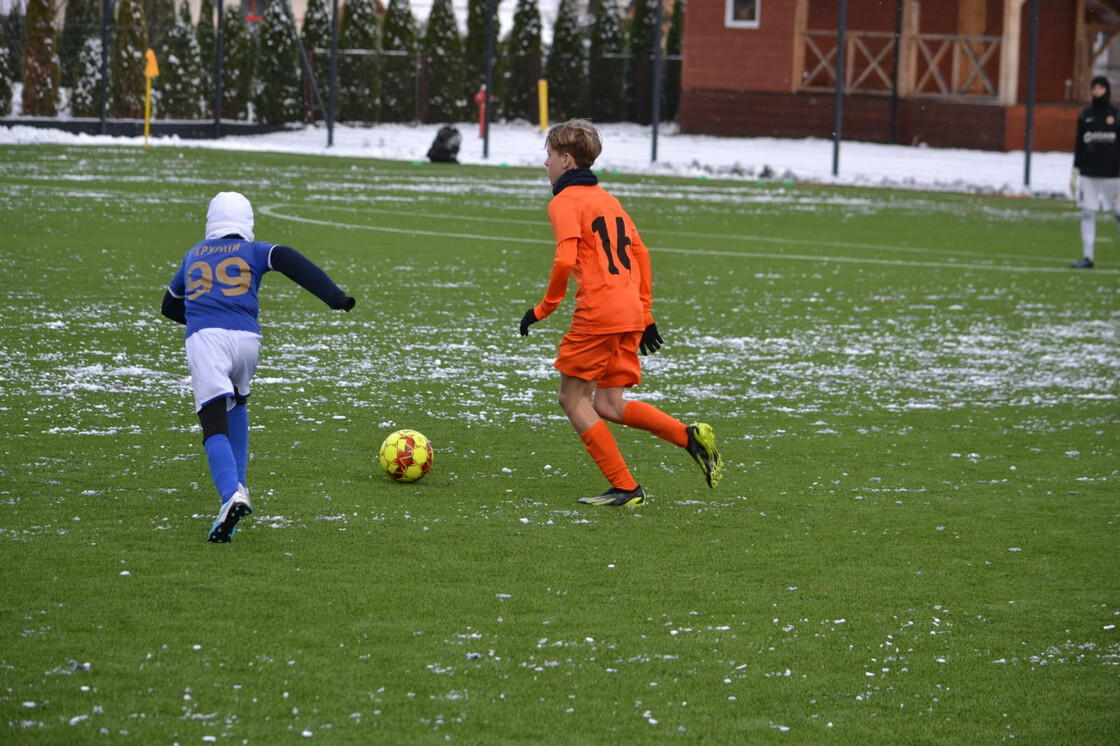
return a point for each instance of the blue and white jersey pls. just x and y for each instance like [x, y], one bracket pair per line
[219, 279]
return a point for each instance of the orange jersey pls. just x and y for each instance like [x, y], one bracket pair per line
[597, 242]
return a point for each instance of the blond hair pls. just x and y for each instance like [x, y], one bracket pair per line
[578, 138]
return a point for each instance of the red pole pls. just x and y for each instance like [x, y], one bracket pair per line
[480, 99]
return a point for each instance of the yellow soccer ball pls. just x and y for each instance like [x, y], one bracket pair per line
[406, 455]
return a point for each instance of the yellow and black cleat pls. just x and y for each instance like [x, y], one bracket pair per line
[702, 447]
[619, 498]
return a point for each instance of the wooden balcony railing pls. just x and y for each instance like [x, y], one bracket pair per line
[932, 65]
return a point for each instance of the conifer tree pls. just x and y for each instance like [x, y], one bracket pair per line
[238, 53]
[607, 66]
[14, 29]
[180, 70]
[671, 77]
[279, 98]
[127, 60]
[83, 20]
[41, 72]
[207, 33]
[398, 86]
[359, 84]
[643, 27]
[520, 66]
[316, 34]
[565, 69]
[85, 97]
[443, 54]
[474, 73]
[160, 17]
[5, 76]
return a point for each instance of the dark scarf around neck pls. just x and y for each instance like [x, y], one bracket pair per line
[575, 177]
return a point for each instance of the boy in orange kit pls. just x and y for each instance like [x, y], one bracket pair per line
[598, 358]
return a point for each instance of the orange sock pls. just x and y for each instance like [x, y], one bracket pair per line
[603, 448]
[651, 419]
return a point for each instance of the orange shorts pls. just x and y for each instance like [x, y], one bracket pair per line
[608, 359]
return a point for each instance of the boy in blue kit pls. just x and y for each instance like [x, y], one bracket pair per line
[214, 293]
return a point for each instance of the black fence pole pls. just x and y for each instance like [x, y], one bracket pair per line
[655, 114]
[1032, 73]
[218, 75]
[839, 124]
[333, 98]
[894, 72]
[106, 17]
[488, 95]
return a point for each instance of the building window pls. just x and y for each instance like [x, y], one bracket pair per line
[742, 14]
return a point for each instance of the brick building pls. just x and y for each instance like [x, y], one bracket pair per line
[768, 68]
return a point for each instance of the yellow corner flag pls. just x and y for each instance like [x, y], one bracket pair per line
[151, 70]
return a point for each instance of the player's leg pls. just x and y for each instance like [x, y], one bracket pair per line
[1088, 232]
[244, 367]
[219, 452]
[579, 360]
[643, 416]
[237, 419]
[1088, 238]
[698, 439]
[223, 470]
[623, 372]
[575, 399]
[1089, 200]
[209, 356]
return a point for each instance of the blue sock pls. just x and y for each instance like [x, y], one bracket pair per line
[238, 419]
[223, 467]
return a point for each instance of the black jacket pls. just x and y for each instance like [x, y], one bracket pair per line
[1097, 150]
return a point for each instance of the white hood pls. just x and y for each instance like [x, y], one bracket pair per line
[229, 213]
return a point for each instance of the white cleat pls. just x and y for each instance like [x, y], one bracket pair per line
[233, 510]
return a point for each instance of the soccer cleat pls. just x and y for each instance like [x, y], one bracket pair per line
[1085, 263]
[233, 510]
[702, 447]
[620, 498]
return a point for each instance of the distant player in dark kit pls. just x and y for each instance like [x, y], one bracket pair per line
[445, 148]
[596, 241]
[1095, 179]
[214, 293]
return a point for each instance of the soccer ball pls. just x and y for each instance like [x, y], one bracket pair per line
[406, 455]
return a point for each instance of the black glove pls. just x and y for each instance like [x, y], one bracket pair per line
[342, 302]
[651, 340]
[528, 319]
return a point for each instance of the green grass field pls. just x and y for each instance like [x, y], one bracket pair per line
[916, 539]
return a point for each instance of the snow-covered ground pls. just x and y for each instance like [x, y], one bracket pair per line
[628, 148]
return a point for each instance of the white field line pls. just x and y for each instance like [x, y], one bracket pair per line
[274, 212]
[726, 236]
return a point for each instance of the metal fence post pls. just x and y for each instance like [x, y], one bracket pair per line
[218, 75]
[1032, 73]
[839, 122]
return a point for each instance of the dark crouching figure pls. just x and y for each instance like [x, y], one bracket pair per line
[445, 148]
